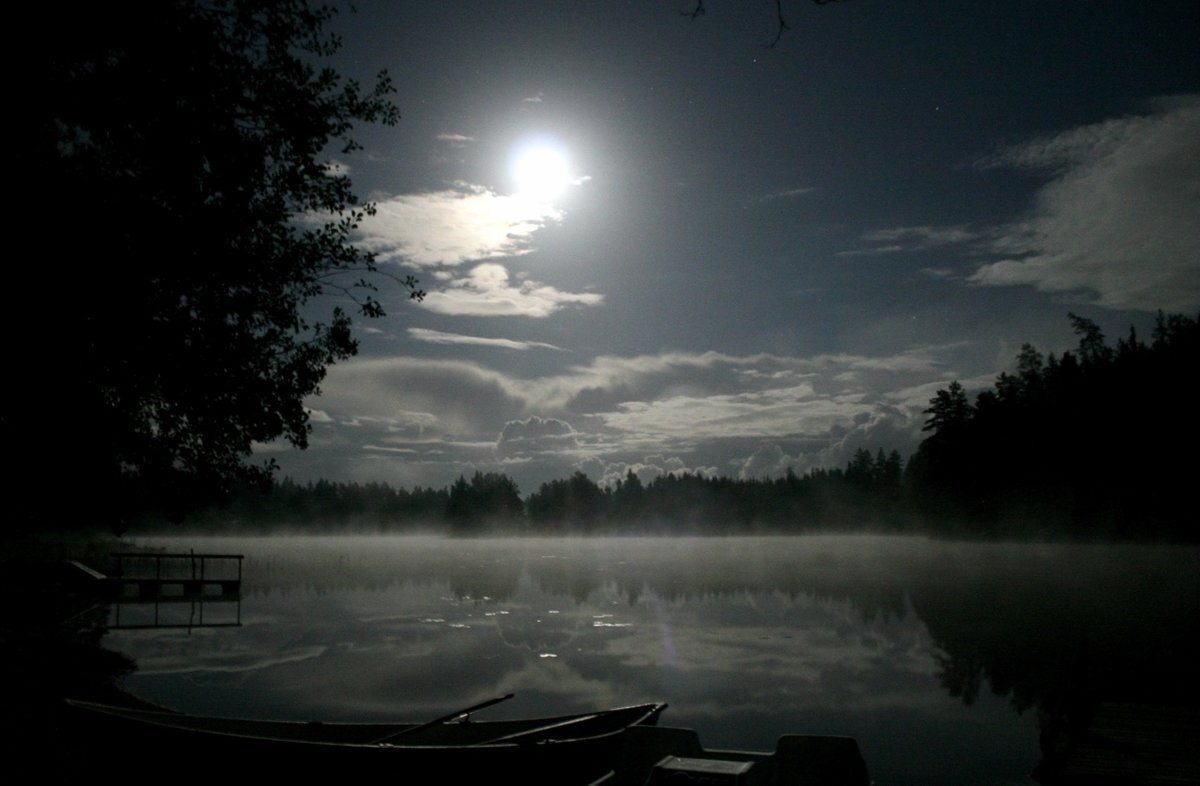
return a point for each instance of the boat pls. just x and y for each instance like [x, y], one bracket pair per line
[568, 749]
[616, 747]
[665, 756]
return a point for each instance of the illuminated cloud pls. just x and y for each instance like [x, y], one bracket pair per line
[914, 238]
[762, 413]
[1119, 218]
[487, 292]
[769, 461]
[607, 474]
[789, 193]
[418, 398]
[427, 421]
[439, 337]
[452, 227]
[535, 435]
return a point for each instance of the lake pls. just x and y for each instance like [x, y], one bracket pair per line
[939, 657]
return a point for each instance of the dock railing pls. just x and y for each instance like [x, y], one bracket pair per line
[196, 581]
[148, 580]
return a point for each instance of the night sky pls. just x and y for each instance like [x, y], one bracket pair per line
[735, 258]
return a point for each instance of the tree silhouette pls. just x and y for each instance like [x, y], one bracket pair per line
[1086, 445]
[188, 216]
[949, 409]
[485, 500]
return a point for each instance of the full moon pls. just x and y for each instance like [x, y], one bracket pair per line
[541, 170]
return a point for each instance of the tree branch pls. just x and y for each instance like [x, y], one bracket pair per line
[782, 24]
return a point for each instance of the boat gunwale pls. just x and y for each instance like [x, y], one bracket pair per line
[163, 720]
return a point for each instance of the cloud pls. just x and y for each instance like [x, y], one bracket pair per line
[456, 140]
[386, 449]
[537, 98]
[487, 292]
[337, 168]
[417, 398]
[761, 414]
[870, 252]
[789, 193]
[423, 421]
[769, 461]
[317, 416]
[609, 380]
[535, 435]
[607, 474]
[913, 238]
[438, 337]
[885, 428]
[453, 226]
[1118, 219]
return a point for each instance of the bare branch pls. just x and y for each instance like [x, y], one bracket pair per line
[782, 24]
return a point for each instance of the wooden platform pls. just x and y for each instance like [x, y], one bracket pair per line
[166, 577]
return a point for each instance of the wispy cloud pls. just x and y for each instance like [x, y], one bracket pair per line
[487, 292]
[457, 140]
[1119, 219]
[778, 411]
[438, 337]
[873, 251]
[912, 238]
[1116, 222]
[454, 226]
[789, 193]
[420, 398]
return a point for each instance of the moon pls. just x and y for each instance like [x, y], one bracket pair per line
[541, 170]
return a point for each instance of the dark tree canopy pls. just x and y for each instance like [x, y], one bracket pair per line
[186, 213]
[1096, 443]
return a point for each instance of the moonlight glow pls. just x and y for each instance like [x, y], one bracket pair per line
[541, 170]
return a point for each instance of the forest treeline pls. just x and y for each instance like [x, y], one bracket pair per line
[856, 497]
[1096, 443]
[1100, 442]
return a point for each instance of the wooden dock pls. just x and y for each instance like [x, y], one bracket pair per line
[164, 590]
[186, 577]
[166, 577]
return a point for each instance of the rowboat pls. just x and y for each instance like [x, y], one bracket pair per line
[566, 749]
[616, 747]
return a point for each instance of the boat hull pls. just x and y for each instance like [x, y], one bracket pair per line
[563, 750]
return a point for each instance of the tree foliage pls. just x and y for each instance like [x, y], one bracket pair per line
[189, 217]
[1096, 443]
[475, 505]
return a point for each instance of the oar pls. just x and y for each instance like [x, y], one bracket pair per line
[439, 721]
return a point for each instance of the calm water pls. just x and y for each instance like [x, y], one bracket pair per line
[937, 656]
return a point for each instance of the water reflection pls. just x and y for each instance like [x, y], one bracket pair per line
[920, 649]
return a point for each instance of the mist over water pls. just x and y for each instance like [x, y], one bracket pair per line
[938, 656]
